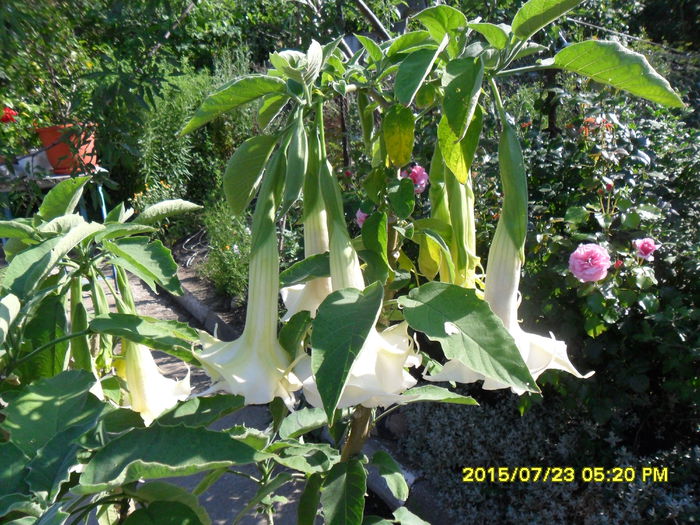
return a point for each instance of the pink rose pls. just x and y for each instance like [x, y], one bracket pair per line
[645, 248]
[360, 217]
[589, 262]
[419, 177]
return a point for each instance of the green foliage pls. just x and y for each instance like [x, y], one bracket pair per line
[468, 331]
[226, 265]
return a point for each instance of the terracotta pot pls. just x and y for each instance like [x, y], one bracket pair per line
[64, 161]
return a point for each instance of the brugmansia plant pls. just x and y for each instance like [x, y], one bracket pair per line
[344, 353]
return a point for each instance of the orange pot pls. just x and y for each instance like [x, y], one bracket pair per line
[62, 158]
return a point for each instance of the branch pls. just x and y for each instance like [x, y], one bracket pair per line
[378, 26]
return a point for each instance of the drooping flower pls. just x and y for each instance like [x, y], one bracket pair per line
[589, 262]
[645, 248]
[377, 376]
[309, 295]
[150, 393]
[8, 115]
[419, 177]
[255, 365]
[360, 217]
[501, 292]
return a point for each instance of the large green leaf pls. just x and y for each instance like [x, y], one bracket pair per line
[445, 20]
[46, 325]
[343, 493]
[390, 470]
[462, 97]
[375, 235]
[51, 466]
[201, 411]
[404, 516]
[312, 267]
[12, 464]
[47, 407]
[164, 513]
[398, 130]
[244, 171]
[302, 421]
[269, 109]
[342, 323]
[372, 48]
[452, 151]
[436, 394]
[161, 492]
[292, 334]
[413, 71]
[116, 230]
[232, 95]
[412, 41]
[29, 267]
[149, 260]
[62, 198]
[468, 331]
[164, 209]
[308, 458]
[496, 35]
[613, 64]
[171, 337]
[401, 197]
[156, 452]
[309, 500]
[16, 230]
[535, 14]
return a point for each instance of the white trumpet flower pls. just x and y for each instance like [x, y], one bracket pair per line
[501, 292]
[150, 393]
[255, 365]
[378, 375]
[308, 296]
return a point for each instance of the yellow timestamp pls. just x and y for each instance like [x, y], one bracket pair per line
[564, 474]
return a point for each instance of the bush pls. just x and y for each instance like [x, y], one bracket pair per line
[189, 167]
[226, 265]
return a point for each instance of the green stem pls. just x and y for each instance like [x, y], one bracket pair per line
[359, 432]
[497, 99]
[44, 347]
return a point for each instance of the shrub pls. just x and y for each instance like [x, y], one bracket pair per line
[226, 265]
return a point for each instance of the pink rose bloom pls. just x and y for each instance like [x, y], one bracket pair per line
[419, 177]
[589, 262]
[360, 217]
[645, 248]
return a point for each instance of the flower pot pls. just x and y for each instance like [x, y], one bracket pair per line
[58, 140]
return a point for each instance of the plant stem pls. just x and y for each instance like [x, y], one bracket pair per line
[44, 347]
[359, 431]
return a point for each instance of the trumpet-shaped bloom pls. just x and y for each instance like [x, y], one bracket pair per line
[150, 392]
[378, 375]
[501, 292]
[309, 295]
[255, 366]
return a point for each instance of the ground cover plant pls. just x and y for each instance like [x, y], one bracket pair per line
[354, 306]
